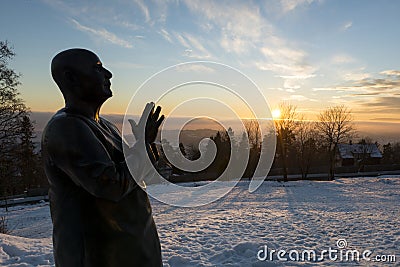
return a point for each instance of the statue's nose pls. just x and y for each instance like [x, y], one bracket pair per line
[108, 73]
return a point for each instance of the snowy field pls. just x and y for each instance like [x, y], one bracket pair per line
[293, 216]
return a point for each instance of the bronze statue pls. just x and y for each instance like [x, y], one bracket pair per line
[101, 217]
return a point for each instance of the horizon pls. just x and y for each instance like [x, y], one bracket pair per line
[382, 132]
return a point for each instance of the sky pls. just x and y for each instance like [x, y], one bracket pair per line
[311, 53]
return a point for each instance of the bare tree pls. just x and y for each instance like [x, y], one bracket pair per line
[12, 108]
[253, 133]
[254, 146]
[366, 147]
[12, 113]
[306, 145]
[335, 125]
[285, 127]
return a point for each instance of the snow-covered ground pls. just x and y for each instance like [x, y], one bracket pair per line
[301, 215]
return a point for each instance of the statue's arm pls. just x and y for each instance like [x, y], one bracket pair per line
[73, 148]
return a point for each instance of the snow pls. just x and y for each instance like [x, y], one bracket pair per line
[295, 215]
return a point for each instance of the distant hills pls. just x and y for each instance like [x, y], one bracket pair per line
[382, 132]
[191, 136]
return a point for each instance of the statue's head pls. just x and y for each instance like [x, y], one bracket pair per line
[80, 74]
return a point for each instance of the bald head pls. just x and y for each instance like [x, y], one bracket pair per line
[79, 73]
[69, 60]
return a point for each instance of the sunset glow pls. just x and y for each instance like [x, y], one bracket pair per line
[276, 114]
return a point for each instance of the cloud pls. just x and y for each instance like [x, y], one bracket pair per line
[196, 44]
[103, 34]
[103, 13]
[61, 5]
[342, 58]
[182, 40]
[391, 72]
[166, 35]
[299, 98]
[290, 5]
[290, 64]
[347, 25]
[126, 24]
[244, 31]
[377, 94]
[194, 68]
[387, 84]
[142, 6]
[356, 76]
[194, 47]
[385, 119]
[386, 101]
[338, 88]
[240, 23]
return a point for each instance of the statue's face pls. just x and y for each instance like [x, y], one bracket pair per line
[94, 79]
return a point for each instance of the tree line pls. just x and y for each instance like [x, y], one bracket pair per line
[301, 145]
[20, 163]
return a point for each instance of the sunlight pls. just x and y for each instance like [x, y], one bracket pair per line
[276, 114]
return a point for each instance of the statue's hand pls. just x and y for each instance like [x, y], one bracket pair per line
[154, 121]
[148, 125]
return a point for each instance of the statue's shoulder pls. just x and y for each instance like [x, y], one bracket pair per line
[63, 120]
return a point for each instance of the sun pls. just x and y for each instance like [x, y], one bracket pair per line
[276, 114]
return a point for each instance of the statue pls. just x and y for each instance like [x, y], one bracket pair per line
[100, 215]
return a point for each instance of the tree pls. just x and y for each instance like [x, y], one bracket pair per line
[285, 127]
[18, 160]
[193, 152]
[223, 152]
[335, 125]
[27, 157]
[12, 110]
[306, 143]
[388, 154]
[253, 133]
[254, 146]
[366, 148]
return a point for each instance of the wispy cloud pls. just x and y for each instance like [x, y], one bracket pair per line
[61, 5]
[347, 25]
[298, 98]
[389, 84]
[290, 64]
[144, 9]
[342, 59]
[290, 5]
[356, 76]
[240, 24]
[244, 31]
[165, 34]
[201, 68]
[103, 34]
[391, 72]
[193, 46]
[196, 44]
[287, 62]
[125, 23]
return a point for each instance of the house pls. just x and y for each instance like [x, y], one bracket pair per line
[358, 154]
